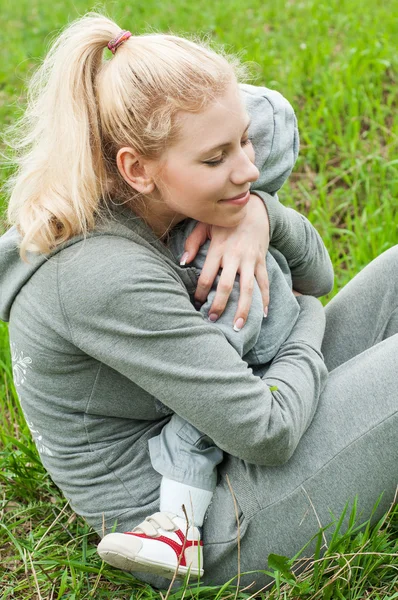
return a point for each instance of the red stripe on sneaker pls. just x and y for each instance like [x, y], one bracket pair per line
[182, 538]
[174, 545]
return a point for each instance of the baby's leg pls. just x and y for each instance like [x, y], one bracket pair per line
[187, 459]
[169, 541]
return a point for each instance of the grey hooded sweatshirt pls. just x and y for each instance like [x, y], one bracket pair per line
[106, 345]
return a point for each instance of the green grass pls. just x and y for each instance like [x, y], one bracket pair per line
[336, 62]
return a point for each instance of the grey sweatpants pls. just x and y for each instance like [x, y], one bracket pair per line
[350, 448]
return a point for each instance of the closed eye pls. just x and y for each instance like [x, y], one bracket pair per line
[214, 163]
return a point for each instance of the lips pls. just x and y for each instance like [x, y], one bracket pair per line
[235, 197]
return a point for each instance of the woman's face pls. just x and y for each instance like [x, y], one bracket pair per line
[212, 161]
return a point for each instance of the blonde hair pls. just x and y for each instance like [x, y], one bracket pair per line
[82, 109]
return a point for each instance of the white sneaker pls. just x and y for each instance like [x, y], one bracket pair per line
[155, 546]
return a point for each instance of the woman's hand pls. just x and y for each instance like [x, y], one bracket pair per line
[239, 249]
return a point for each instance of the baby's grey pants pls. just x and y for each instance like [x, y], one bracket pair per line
[350, 448]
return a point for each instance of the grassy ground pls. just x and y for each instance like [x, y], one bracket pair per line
[336, 62]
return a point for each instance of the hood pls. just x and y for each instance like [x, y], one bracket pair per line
[121, 222]
[14, 272]
[274, 135]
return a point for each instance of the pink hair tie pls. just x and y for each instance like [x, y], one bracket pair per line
[113, 45]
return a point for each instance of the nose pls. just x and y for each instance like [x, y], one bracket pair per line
[244, 170]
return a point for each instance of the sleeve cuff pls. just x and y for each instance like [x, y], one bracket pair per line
[274, 210]
[310, 326]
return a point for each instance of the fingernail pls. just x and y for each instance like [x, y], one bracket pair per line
[266, 312]
[213, 317]
[184, 259]
[239, 324]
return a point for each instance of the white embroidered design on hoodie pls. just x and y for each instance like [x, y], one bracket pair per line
[20, 365]
[38, 438]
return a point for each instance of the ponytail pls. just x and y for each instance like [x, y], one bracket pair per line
[56, 190]
[82, 109]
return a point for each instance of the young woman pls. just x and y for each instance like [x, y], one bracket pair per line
[116, 153]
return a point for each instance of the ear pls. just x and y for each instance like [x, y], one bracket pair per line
[135, 170]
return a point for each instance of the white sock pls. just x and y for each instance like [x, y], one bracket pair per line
[174, 494]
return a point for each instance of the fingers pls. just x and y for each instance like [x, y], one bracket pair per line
[206, 279]
[245, 297]
[193, 242]
[246, 284]
[230, 252]
[263, 282]
[223, 292]
[225, 287]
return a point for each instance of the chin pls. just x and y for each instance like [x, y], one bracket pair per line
[238, 217]
[232, 222]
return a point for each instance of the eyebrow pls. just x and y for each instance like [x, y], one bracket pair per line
[225, 144]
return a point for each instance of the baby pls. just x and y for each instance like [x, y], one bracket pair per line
[187, 459]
